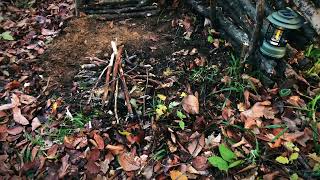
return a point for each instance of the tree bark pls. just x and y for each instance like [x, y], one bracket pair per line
[310, 12]
[254, 43]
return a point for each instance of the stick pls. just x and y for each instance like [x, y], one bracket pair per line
[109, 67]
[126, 92]
[115, 72]
[115, 101]
[257, 30]
[96, 84]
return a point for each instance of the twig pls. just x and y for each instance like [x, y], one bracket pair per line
[96, 84]
[144, 96]
[125, 90]
[115, 72]
[109, 67]
[115, 101]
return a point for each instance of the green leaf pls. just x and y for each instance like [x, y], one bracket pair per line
[282, 160]
[294, 156]
[6, 36]
[133, 102]
[173, 104]
[294, 176]
[218, 162]
[210, 39]
[181, 115]
[181, 124]
[236, 163]
[226, 153]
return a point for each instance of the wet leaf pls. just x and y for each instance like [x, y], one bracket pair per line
[218, 162]
[128, 162]
[282, 160]
[177, 175]
[190, 104]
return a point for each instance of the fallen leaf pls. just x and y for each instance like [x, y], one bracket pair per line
[35, 123]
[259, 110]
[12, 85]
[93, 155]
[190, 104]
[177, 175]
[196, 145]
[93, 167]
[51, 153]
[128, 162]
[47, 32]
[115, 149]
[26, 99]
[200, 163]
[99, 140]
[15, 130]
[18, 117]
[296, 101]
[65, 165]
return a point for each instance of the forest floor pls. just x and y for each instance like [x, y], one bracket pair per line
[196, 113]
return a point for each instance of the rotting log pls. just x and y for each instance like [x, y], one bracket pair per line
[310, 12]
[254, 43]
[235, 34]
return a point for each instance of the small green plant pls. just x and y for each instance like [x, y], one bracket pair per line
[227, 160]
[206, 74]
[159, 155]
[37, 140]
[181, 116]
[294, 150]
[313, 52]
[6, 36]
[162, 109]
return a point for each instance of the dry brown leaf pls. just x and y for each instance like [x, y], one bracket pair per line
[34, 152]
[65, 165]
[200, 163]
[190, 104]
[296, 101]
[51, 153]
[35, 123]
[6, 107]
[259, 109]
[26, 99]
[18, 117]
[128, 162]
[93, 167]
[15, 130]
[196, 145]
[99, 140]
[93, 155]
[115, 149]
[177, 175]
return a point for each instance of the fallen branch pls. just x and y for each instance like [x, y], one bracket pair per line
[109, 67]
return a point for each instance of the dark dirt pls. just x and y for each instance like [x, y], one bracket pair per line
[152, 39]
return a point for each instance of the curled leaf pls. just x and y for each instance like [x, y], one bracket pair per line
[190, 104]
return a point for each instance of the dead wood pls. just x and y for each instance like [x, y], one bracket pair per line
[129, 15]
[108, 10]
[125, 90]
[254, 43]
[310, 12]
